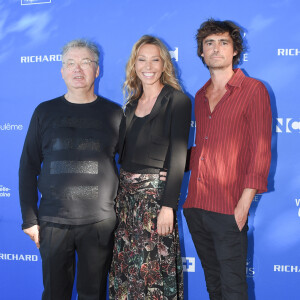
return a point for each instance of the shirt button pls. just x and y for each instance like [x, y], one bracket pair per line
[199, 179]
[202, 158]
[206, 137]
[209, 117]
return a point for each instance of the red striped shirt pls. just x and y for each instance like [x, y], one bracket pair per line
[233, 145]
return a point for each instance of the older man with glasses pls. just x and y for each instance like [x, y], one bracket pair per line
[68, 156]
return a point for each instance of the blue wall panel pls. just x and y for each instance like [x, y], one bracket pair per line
[32, 33]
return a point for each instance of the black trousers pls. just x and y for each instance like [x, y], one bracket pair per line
[93, 244]
[222, 249]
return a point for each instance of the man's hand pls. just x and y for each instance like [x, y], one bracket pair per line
[242, 209]
[34, 234]
[241, 215]
[165, 221]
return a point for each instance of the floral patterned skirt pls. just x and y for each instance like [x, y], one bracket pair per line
[145, 265]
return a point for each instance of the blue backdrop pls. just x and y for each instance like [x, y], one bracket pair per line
[32, 33]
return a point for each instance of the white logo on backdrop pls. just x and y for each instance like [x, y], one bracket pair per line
[31, 2]
[298, 206]
[11, 127]
[18, 257]
[174, 54]
[288, 52]
[193, 124]
[4, 191]
[188, 264]
[40, 58]
[245, 57]
[286, 268]
[257, 197]
[288, 125]
[250, 270]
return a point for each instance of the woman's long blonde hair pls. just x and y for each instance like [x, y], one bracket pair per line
[132, 87]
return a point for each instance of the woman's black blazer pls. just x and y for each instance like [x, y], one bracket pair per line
[162, 142]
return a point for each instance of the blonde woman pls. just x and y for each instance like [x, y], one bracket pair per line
[153, 137]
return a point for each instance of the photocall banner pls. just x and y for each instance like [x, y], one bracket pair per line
[32, 33]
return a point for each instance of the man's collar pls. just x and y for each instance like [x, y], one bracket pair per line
[237, 78]
[235, 81]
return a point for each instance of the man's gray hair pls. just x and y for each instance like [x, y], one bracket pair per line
[82, 43]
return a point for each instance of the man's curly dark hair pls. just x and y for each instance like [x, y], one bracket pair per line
[212, 26]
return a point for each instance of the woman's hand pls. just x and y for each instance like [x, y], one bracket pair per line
[163, 175]
[165, 221]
